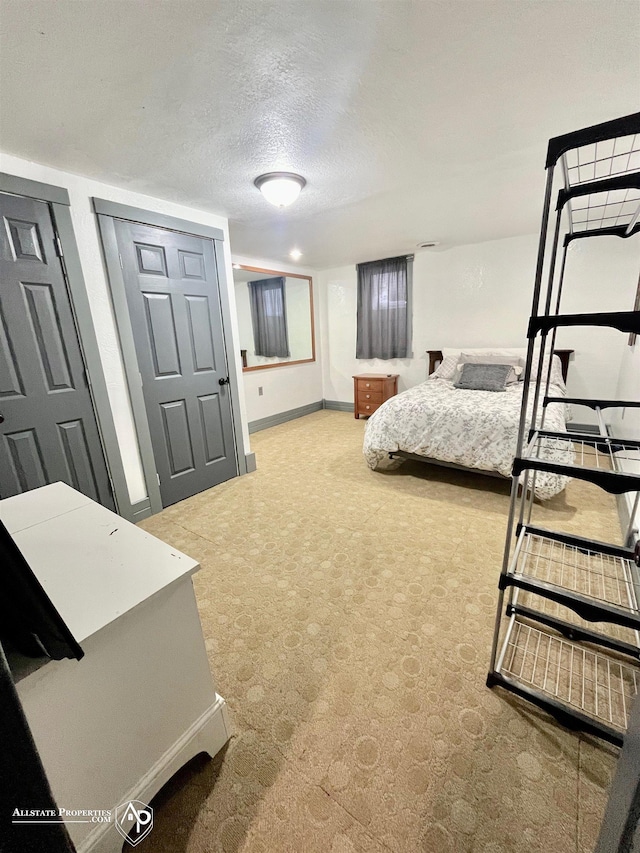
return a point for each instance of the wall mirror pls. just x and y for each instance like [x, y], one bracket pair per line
[275, 317]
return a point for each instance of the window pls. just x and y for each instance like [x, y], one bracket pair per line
[269, 317]
[383, 309]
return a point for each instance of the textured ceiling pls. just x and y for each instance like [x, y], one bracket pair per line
[409, 120]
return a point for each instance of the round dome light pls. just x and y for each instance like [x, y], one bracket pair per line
[280, 188]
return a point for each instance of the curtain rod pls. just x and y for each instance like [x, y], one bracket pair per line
[392, 258]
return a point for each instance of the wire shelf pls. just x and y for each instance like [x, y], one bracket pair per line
[559, 450]
[611, 464]
[606, 159]
[552, 609]
[598, 685]
[610, 209]
[602, 577]
[597, 453]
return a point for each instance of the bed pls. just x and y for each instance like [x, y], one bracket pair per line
[469, 429]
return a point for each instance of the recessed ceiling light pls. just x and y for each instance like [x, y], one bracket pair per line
[296, 254]
[428, 244]
[280, 188]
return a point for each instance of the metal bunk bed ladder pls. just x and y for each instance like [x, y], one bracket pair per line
[553, 585]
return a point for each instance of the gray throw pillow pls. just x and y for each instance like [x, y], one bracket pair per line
[483, 377]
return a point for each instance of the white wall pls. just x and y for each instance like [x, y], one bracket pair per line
[288, 386]
[480, 295]
[81, 190]
[602, 275]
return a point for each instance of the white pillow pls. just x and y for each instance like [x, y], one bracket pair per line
[473, 357]
[446, 369]
[556, 370]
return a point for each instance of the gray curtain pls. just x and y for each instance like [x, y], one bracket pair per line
[269, 317]
[383, 309]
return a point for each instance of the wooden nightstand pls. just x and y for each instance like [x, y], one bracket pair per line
[370, 390]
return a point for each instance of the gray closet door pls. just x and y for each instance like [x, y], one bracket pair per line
[172, 293]
[49, 431]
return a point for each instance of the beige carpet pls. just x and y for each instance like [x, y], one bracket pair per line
[348, 617]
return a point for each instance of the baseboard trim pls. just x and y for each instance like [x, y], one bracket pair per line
[141, 509]
[292, 414]
[283, 417]
[337, 406]
[208, 733]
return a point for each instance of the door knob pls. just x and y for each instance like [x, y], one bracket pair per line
[1, 419]
[223, 381]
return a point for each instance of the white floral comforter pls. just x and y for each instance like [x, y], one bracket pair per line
[477, 429]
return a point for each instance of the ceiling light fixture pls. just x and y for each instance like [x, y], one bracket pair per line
[280, 188]
[429, 244]
[296, 254]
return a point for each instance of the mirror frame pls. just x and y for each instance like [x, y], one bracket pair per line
[313, 330]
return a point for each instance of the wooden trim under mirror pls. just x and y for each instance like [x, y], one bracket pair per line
[246, 354]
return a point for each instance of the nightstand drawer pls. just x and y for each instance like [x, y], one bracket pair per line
[370, 385]
[369, 396]
[367, 408]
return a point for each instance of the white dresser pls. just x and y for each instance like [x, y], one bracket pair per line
[117, 724]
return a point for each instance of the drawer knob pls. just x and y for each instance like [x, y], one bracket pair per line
[367, 385]
[368, 396]
[367, 407]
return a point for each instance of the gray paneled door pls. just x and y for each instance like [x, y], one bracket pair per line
[171, 284]
[48, 431]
